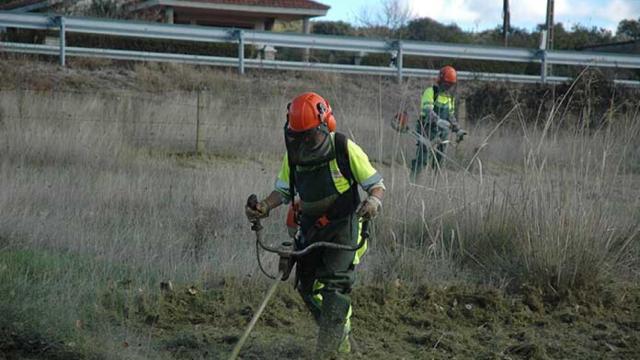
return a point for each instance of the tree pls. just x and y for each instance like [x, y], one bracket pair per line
[579, 36]
[628, 29]
[386, 21]
[106, 9]
[332, 28]
[427, 29]
[518, 37]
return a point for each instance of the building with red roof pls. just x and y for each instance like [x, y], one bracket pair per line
[243, 14]
[247, 14]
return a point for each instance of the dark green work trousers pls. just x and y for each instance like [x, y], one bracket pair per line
[325, 278]
[425, 154]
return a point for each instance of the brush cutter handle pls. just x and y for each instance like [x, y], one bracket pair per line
[364, 231]
[252, 203]
[284, 251]
[310, 248]
[461, 135]
[443, 124]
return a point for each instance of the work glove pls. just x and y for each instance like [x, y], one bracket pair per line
[433, 117]
[261, 211]
[461, 134]
[454, 127]
[369, 208]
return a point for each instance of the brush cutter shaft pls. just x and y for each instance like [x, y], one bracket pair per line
[254, 320]
[425, 141]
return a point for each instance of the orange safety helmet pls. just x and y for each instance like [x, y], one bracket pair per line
[308, 111]
[448, 74]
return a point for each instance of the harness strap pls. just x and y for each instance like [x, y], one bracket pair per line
[347, 202]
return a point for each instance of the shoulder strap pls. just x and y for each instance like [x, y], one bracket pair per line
[342, 156]
[346, 203]
[436, 92]
[292, 180]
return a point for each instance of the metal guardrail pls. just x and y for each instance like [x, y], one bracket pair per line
[397, 49]
[263, 64]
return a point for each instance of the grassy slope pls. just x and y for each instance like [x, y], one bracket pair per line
[101, 204]
[396, 321]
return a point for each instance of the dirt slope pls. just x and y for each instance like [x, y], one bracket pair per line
[397, 322]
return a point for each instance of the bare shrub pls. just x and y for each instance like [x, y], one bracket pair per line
[387, 20]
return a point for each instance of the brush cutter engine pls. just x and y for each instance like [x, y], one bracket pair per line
[400, 122]
[286, 262]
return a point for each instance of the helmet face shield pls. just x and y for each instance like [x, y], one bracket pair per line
[308, 147]
[308, 139]
[446, 86]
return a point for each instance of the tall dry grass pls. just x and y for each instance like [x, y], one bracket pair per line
[103, 185]
[112, 162]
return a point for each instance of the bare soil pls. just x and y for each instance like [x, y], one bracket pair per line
[390, 322]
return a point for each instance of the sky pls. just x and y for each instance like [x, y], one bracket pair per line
[478, 15]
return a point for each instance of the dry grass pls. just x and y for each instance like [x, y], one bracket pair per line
[105, 179]
[103, 160]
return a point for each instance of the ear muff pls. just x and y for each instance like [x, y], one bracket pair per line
[325, 114]
[331, 122]
[288, 110]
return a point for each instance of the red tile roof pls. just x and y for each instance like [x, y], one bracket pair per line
[298, 4]
[17, 3]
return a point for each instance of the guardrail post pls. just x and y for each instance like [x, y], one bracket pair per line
[199, 127]
[543, 55]
[399, 60]
[63, 44]
[543, 68]
[240, 35]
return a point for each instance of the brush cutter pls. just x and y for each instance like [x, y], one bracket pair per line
[288, 255]
[400, 123]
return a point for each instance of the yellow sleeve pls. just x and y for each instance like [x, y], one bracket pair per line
[364, 173]
[282, 181]
[426, 103]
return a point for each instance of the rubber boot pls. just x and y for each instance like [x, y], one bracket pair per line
[335, 307]
[438, 160]
[414, 171]
[417, 165]
[345, 343]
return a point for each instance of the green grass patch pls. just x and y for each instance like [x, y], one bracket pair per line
[42, 295]
[53, 305]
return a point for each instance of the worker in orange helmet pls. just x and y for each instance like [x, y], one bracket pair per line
[437, 103]
[324, 168]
